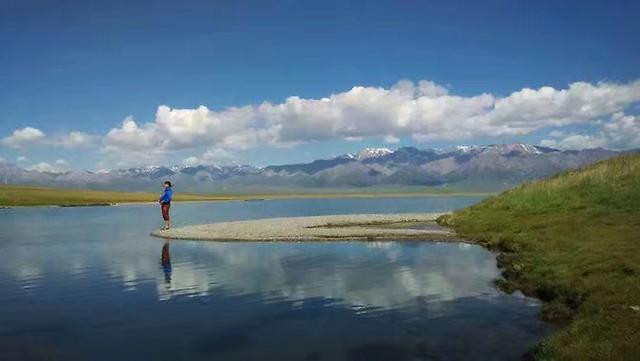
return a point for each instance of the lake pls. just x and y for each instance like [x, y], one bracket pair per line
[91, 284]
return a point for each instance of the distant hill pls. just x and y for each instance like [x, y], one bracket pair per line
[476, 168]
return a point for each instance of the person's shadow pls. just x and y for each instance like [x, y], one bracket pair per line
[165, 260]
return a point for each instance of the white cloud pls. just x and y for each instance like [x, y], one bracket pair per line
[623, 131]
[533, 109]
[23, 137]
[21, 159]
[620, 132]
[131, 137]
[74, 139]
[29, 136]
[391, 139]
[575, 141]
[59, 166]
[191, 161]
[425, 111]
[184, 129]
[212, 156]
[557, 133]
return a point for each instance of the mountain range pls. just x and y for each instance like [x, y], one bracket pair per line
[479, 168]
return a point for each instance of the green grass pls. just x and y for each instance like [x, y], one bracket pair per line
[11, 195]
[572, 240]
[15, 195]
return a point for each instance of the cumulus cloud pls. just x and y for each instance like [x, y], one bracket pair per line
[74, 139]
[184, 129]
[59, 166]
[29, 136]
[575, 141]
[424, 111]
[619, 132]
[557, 133]
[391, 139]
[191, 161]
[212, 156]
[623, 131]
[23, 137]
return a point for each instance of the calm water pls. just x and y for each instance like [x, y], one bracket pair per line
[89, 283]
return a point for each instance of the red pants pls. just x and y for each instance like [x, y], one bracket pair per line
[165, 211]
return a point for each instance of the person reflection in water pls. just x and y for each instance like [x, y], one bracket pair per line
[165, 259]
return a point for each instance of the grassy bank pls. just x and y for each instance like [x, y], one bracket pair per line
[13, 195]
[572, 240]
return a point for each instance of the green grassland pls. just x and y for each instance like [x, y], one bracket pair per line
[11, 195]
[573, 240]
[15, 195]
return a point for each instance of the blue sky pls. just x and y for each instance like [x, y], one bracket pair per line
[83, 67]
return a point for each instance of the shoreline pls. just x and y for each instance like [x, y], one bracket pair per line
[571, 241]
[366, 227]
[251, 198]
[358, 227]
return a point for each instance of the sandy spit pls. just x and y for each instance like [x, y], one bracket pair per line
[326, 228]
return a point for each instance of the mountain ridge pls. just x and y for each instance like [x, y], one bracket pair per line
[472, 167]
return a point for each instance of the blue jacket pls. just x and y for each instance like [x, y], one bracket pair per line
[166, 196]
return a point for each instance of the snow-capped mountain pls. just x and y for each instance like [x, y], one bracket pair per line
[367, 153]
[464, 167]
[515, 148]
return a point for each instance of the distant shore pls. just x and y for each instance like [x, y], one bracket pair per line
[28, 196]
[318, 228]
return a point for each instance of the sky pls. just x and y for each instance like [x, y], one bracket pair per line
[112, 84]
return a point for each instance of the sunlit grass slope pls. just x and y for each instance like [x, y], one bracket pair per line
[573, 240]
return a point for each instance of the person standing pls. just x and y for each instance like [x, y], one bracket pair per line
[165, 203]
